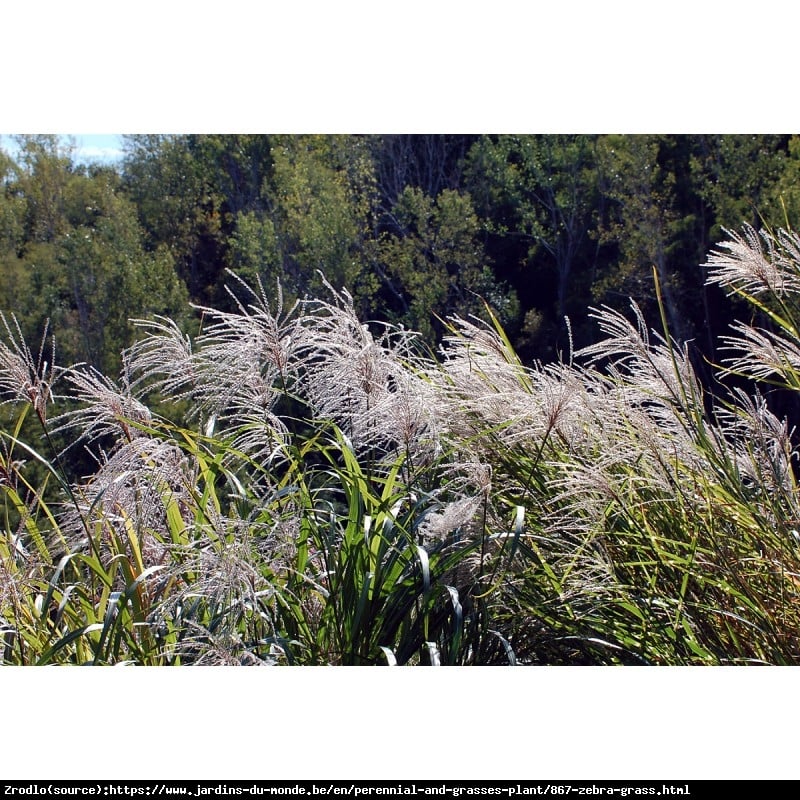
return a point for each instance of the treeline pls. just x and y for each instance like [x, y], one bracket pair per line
[416, 227]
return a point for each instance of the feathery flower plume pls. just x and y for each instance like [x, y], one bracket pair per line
[454, 516]
[757, 262]
[368, 386]
[231, 590]
[162, 360]
[132, 487]
[23, 377]
[237, 370]
[762, 443]
[104, 407]
[762, 354]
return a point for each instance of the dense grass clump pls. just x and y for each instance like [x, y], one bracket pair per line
[295, 487]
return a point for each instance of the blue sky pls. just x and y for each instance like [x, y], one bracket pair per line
[103, 147]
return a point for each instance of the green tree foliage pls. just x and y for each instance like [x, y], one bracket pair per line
[42, 181]
[434, 262]
[548, 186]
[73, 254]
[785, 191]
[736, 176]
[322, 203]
[10, 202]
[312, 218]
[538, 197]
[540, 226]
[429, 162]
[648, 225]
[12, 234]
[267, 207]
[255, 248]
[177, 207]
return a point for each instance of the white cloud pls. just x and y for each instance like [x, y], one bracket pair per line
[103, 154]
[103, 148]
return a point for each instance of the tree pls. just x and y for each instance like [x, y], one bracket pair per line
[178, 208]
[74, 257]
[783, 201]
[435, 264]
[538, 195]
[13, 287]
[430, 162]
[46, 169]
[322, 189]
[107, 277]
[648, 226]
[736, 175]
